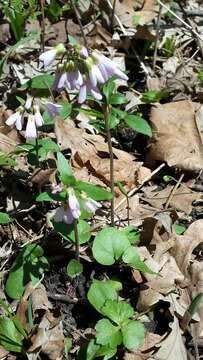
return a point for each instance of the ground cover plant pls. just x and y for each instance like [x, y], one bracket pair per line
[101, 180]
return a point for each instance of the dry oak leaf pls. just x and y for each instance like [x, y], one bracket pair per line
[176, 139]
[172, 347]
[91, 151]
[195, 288]
[185, 244]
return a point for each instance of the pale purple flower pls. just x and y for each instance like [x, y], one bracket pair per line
[108, 67]
[53, 109]
[49, 56]
[62, 78]
[88, 89]
[91, 205]
[37, 116]
[56, 188]
[31, 130]
[84, 52]
[28, 102]
[16, 118]
[95, 75]
[64, 215]
[74, 204]
[73, 79]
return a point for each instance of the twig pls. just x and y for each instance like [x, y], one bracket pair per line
[79, 22]
[157, 36]
[113, 13]
[117, 19]
[135, 190]
[174, 190]
[181, 20]
[42, 25]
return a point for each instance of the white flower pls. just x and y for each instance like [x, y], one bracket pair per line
[56, 188]
[73, 204]
[37, 116]
[49, 56]
[91, 205]
[17, 119]
[107, 66]
[31, 131]
[95, 75]
[63, 215]
[28, 102]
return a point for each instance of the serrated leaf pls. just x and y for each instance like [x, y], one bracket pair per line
[109, 245]
[108, 334]
[93, 191]
[117, 311]
[99, 293]
[74, 268]
[138, 124]
[133, 334]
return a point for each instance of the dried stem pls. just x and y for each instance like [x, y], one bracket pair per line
[108, 133]
[42, 24]
[77, 243]
[112, 14]
[79, 22]
[157, 36]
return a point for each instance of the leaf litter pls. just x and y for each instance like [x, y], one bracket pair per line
[156, 207]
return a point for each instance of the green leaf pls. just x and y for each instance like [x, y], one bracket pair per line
[109, 245]
[5, 218]
[46, 146]
[133, 334]
[106, 351]
[99, 293]
[117, 311]
[48, 196]
[64, 169]
[10, 338]
[67, 231]
[179, 229]
[108, 334]
[118, 99]
[28, 266]
[200, 76]
[132, 258]
[74, 268]
[66, 109]
[92, 350]
[93, 191]
[138, 124]
[21, 100]
[68, 345]
[113, 121]
[6, 160]
[132, 233]
[154, 96]
[108, 89]
[41, 82]
[136, 19]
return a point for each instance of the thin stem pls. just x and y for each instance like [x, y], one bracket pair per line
[112, 14]
[77, 244]
[108, 133]
[42, 25]
[79, 22]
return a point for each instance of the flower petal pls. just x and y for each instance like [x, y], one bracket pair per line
[48, 57]
[31, 131]
[82, 94]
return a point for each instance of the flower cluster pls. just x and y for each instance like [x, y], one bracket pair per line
[71, 209]
[31, 111]
[82, 71]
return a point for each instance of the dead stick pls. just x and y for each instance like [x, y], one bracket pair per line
[174, 190]
[157, 36]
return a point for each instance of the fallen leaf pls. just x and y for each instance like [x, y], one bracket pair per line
[176, 139]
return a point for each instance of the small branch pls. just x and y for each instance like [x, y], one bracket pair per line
[79, 22]
[112, 14]
[174, 190]
[77, 243]
[157, 36]
[42, 25]
[108, 133]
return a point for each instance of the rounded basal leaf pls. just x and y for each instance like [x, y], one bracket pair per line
[108, 334]
[67, 231]
[41, 82]
[117, 311]
[132, 258]
[74, 268]
[109, 245]
[28, 266]
[133, 334]
[10, 338]
[99, 293]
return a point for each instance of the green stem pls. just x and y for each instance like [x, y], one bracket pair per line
[108, 133]
[77, 243]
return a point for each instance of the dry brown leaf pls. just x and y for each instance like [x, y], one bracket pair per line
[91, 152]
[195, 288]
[148, 12]
[172, 347]
[176, 139]
[185, 244]
[129, 356]
[97, 36]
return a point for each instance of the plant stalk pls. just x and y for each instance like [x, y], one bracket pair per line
[77, 243]
[110, 148]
